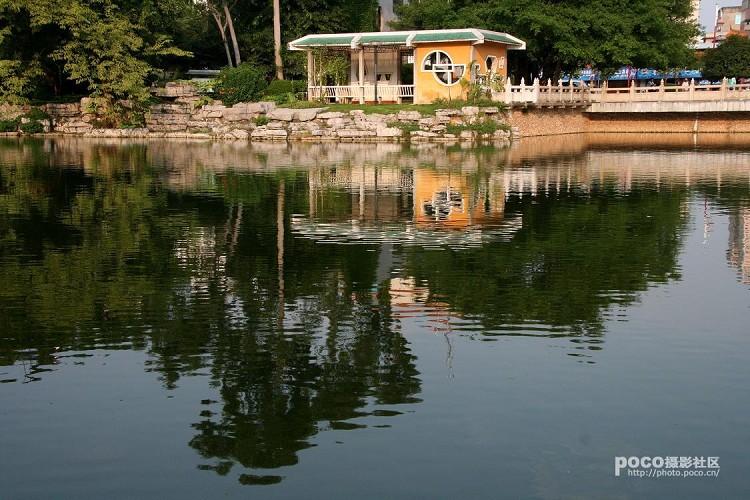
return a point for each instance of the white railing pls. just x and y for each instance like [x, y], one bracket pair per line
[539, 94]
[360, 93]
[574, 93]
[571, 93]
[689, 92]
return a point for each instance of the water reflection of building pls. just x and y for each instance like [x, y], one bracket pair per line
[409, 299]
[739, 243]
[408, 205]
[449, 200]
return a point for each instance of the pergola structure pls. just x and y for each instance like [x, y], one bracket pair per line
[441, 60]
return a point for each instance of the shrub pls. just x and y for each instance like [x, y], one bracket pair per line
[37, 114]
[9, 125]
[32, 127]
[203, 101]
[299, 85]
[283, 99]
[261, 120]
[406, 128]
[280, 87]
[244, 83]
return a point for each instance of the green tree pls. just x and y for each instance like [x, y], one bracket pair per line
[730, 59]
[565, 35]
[103, 46]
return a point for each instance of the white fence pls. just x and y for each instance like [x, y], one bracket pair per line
[574, 93]
[361, 93]
[537, 94]
[689, 92]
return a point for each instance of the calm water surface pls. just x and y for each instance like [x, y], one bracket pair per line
[196, 320]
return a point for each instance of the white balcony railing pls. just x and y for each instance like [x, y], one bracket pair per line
[360, 93]
[574, 93]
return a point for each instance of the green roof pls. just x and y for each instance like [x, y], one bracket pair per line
[322, 40]
[499, 37]
[384, 37]
[405, 38]
[443, 36]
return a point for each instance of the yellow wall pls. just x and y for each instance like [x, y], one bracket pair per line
[427, 88]
[492, 49]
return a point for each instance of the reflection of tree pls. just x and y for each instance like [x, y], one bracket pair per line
[194, 280]
[198, 278]
[286, 389]
[574, 257]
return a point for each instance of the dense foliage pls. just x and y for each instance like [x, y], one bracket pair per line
[117, 48]
[564, 35]
[244, 83]
[730, 59]
[106, 48]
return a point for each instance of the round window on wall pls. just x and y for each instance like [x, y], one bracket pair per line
[441, 65]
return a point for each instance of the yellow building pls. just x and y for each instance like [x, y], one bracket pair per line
[440, 64]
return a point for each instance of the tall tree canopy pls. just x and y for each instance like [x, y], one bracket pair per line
[730, 59]
[564, 35]
[104, 47]
[113, 47]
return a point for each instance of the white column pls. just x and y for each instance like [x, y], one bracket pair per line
[362, 75]
[310, 80]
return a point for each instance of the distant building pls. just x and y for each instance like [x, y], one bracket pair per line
[696, 6]
[731, 20]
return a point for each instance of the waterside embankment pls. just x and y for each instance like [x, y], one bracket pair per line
[183, 114]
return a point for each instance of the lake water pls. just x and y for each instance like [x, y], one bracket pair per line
[202, 320]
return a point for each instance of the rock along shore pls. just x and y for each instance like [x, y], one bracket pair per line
[264, 121]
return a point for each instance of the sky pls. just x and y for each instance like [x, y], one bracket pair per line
[708, 11]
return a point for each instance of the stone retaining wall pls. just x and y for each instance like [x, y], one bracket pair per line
[555, 121]
[669, 122]
[264, 121]
[548, 121]
[183, 117]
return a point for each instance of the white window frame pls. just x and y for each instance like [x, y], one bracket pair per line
[437, 69]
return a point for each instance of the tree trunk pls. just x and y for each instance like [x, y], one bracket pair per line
[277, 39]
[223, 30]
[228, 16]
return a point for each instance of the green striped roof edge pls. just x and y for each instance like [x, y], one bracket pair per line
[315, 40]
[384, 38]
[447, 36]
[406, 38]
[499, 37]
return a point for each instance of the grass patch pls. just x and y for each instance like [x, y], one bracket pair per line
[303, 105]
[386, 109]
[261, 120]
[458, 103]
